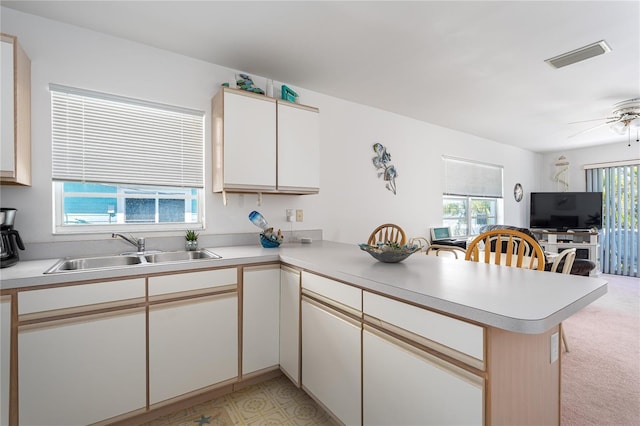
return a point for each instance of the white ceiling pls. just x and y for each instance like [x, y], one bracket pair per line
[475, 66]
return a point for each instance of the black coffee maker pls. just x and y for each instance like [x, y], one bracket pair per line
[10, 240]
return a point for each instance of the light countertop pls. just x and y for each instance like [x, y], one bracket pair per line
[512, 299]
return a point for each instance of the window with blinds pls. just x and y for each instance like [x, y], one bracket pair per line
[120, 162]
[471, 195]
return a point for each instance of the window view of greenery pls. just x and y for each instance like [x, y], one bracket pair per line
[466, 215]
[112, 204]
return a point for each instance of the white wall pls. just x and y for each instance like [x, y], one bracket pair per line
[352, 199]
[579, 157]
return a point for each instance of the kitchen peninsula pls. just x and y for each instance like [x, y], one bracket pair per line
[437, 339]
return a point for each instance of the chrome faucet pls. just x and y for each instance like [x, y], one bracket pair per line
[137, 242]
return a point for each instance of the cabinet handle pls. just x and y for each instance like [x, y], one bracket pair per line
[22, 326]
[331, 311]
[333, 304]
[392, 330]
[451, 368]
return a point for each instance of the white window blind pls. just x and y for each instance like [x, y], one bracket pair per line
[104, 138]
[471, 179]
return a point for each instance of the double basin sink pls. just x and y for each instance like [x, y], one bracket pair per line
[106, 262]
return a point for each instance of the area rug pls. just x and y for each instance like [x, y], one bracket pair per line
[601, 372]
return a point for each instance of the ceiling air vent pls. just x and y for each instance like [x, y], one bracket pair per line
[580, 54]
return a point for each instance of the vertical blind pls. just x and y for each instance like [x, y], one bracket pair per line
[470, 178]
[99, 137]
[620, 237]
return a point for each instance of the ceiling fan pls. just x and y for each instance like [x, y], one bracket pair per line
[625, 116]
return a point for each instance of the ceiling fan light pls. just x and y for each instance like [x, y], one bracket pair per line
[635, 123]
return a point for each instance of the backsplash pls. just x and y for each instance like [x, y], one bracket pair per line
[86, 248]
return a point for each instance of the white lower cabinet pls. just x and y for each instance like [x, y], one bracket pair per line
[404, 386]
[5, 353]
[290, 323]
[82, 370]
[81, 353]
[331, 347]
[260, 317]
[192, 344]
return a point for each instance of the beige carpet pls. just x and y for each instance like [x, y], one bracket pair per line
[601, 373]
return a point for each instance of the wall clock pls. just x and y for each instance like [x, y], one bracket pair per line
[518, 192]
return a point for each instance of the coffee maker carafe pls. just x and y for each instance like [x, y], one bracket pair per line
[10, 240]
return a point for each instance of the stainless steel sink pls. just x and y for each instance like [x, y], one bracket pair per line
[109, 262]
[79, 264]
[179, 256]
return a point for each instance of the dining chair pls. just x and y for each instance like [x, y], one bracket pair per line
[506, 247]
[436, 249]
[567, 257]
[387, 233]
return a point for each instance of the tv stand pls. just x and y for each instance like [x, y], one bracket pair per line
[586, 243]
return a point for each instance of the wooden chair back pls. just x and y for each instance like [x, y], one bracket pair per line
[421, 242]
[568, 256]
[510, 248]
[436, 249]
[386, 233]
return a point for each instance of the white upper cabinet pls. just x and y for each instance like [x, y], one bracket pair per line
[298, 148]
[261, 144]
[15, 145]
[244, 148]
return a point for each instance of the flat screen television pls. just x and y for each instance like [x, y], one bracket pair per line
[562, 211]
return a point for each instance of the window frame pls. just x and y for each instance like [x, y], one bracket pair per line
[469, 217]
[59, 227]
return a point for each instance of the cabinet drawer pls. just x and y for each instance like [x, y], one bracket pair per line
[177, 283]
[79, 295]
[342, 293]
[458, 335]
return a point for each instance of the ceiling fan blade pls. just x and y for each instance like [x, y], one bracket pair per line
[593, 128]
[594, 119]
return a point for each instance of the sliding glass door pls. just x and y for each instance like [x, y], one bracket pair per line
[620, 239]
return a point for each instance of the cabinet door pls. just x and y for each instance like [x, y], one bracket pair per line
[249, 147]
[15, 96]
[331, 353]
[403, 386]
[298, 148]
[7, 145]
[260, 317]
[290, 324]
[82, 370]
[192, 344]
[5, 353]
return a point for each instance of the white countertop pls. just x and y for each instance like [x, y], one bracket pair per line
[513, 299]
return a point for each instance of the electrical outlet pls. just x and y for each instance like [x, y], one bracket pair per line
[290, 215]
[299, 215]
[555, 347]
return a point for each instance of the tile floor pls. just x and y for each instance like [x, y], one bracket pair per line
[274, 402]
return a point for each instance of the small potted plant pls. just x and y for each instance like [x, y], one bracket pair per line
[191, 238]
